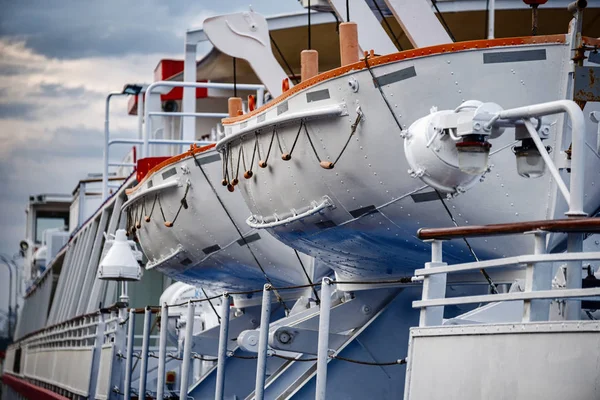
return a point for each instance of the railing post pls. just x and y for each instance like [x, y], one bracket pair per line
[323, 342]
[144, 352]
[98, 343]
[129, 355]
[187, 352]
[574, 275]
[434, 287]
[223, 336]
[162, 351]
[537, 277]
[263, 339]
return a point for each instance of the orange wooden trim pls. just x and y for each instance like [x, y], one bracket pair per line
[193, 150]
[403, 55]
[591, 41]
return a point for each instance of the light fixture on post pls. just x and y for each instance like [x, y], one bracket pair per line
[120, 263]
[449, 149]
[473, 154]
[475, 130]
[530, 163]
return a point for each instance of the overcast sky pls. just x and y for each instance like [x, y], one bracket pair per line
[58, 61]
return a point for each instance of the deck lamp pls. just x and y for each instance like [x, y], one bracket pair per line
[473, 155]
[120, 263]
[133, 89]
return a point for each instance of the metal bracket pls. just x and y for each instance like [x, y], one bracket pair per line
[301, 340]
[207, 342]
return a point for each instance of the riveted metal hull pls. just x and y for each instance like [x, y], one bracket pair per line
[375, 207]
[209, 243]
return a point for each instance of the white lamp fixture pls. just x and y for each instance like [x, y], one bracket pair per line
[120, 264]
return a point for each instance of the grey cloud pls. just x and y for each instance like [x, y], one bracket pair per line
[16, 70]
[58, 90]
[17, 110]
[72, 29]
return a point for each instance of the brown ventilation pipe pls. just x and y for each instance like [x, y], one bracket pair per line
[309, 62]
[348, 43]
[234, 105]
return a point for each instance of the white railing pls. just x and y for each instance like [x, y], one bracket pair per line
[537, 286]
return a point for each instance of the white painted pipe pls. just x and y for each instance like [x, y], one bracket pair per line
[188, 114]
[187, 353]
[548, 160]
[171, 84]
[323, 342]
[144, 352]
[162, 351]
[129, 355]
[577, 138]
[491, 18]
[106, 138]
[223, 337]
[263, 339]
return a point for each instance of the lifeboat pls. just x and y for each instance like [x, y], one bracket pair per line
[192, 229]
[330, 169]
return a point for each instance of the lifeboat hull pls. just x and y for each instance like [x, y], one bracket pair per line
[207, 242]
[362, 215]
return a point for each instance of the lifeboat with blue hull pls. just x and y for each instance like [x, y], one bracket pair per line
[330, 176]
[192, 232]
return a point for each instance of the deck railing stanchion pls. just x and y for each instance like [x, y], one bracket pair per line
[574, 276]
[434, 287]
[129, 355]
[162, 351]
[323, 342]
[263, 339]
[187, 352]
[537, 277]
[223, 336]
[144, 352]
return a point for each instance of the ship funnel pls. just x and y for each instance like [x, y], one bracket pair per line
[120, 263]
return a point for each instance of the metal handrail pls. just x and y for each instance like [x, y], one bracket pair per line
[508, 261]
[515, 296]
[569, 225]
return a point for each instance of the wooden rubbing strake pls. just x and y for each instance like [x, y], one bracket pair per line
[557, 225]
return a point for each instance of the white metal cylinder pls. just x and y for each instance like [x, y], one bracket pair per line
[187, 352]
[162, 351]
[129, 355]
[144, 352]
[491, 18]
[323, 342]
[263, 339]
[223, 336]
[574, 276]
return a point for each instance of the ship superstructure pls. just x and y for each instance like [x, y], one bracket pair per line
[413, 223]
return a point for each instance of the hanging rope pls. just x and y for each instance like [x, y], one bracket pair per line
[138, 223]
[263, 163]
[434, 2]
[387, 24]
[149, 217]
[487, 277]
[182, 204]
[279, 299]
[309, 26]
[347, 11]
[387, 103]
[234, 78]
[248, 172]
[317, 299]
[288, 156]
[211, 304]
[291, 72]
[352, 131]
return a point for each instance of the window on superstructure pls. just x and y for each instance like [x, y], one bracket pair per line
[49, 220]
